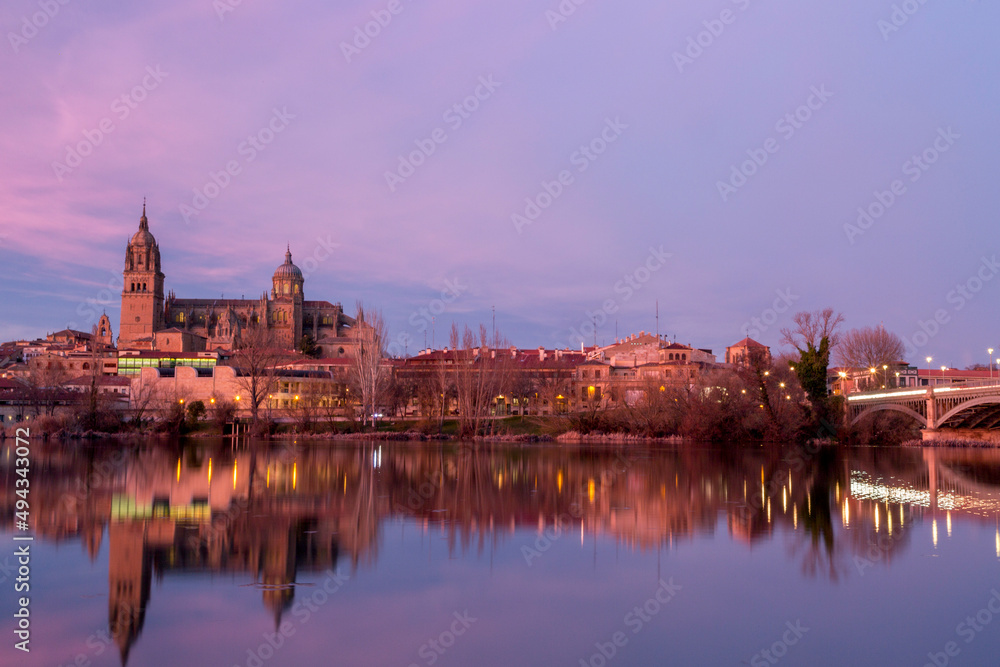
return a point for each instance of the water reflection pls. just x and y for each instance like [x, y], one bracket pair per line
[272, 513]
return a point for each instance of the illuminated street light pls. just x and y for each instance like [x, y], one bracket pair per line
[990, 351]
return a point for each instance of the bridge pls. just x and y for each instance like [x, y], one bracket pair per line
[969, 410]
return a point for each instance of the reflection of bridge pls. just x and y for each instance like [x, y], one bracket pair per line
[971, 409]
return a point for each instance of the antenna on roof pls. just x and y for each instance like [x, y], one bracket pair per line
[657, 319]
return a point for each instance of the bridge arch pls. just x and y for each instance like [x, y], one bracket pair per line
[894, 407]
[971, 403]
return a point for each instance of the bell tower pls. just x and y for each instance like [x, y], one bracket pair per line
[142, 293]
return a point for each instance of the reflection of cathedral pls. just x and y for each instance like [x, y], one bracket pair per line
[150, 320]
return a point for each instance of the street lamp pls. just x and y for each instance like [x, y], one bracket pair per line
[885, 376]
[929, 359]
[872, 371]
[990, 350]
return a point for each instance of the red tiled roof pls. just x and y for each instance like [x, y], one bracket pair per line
[748, 342]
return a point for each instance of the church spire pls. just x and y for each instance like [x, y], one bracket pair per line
[143, 222]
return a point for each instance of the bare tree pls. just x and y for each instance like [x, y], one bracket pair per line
[256, 359]
[871, 347]
[45, 381]
[369, 370]
[814, 336]
[142, 396]
[484, 373]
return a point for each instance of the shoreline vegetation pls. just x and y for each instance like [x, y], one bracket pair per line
[515, 430]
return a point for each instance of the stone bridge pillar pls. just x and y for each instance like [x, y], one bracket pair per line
[932, 412]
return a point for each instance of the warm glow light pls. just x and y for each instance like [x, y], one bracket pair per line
[234, 475]
[559, 481]
[295, 475]
[210, 471]
[784, 500]
[847, 513]
[948, 523]
[795, 516]
[876, 518]
[591, 488]
[178, 470]
[934, 532]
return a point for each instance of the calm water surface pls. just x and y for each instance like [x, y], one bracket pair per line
[201, 553]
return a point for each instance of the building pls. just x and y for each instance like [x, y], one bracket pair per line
[154, 320]
[747, 348]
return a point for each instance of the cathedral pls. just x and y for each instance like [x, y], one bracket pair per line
[151, 320]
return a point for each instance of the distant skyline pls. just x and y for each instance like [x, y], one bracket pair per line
[559, 162]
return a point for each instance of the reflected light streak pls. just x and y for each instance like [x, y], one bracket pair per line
[934, 532]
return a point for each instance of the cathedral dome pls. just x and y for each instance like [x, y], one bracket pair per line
[288, 270]
[143, 237]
